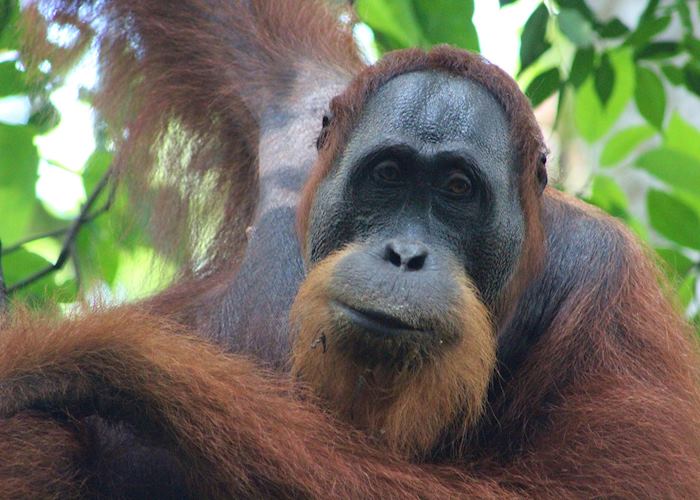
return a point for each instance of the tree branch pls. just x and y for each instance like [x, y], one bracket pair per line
[40, 236]
[71, 232]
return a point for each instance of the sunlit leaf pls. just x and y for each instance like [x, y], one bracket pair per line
[686, 291]
[138, 275]
[447, 21]
[689, 198]
[97, 252]
[650, 96]
[591, 118]
[673, 167]
[623, 143]
[422, 23]
[533, 42]
[608, 195]
[673, 219]
[95, 168]
[11, 79]
[682, 136]
[394, 19]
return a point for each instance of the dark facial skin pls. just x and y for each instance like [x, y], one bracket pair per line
[427, 188]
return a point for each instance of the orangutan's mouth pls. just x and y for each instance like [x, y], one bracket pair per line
[377, 322]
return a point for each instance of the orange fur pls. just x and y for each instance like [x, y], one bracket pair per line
[600, 395]
[40, 458]
[408, 406]
[239, 431]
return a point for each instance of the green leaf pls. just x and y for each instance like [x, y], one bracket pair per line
[682, 136]
[533, 42]
[673, 219]
[675, 261]
[581, 66]
[11, 79]
[693, 46]
[130, 274]
[447, 21]
[647, 29]
[580, 6]
[650, 96]
[658, 50]
[394, 19]
[604, 79]
[623, 143]
[684, 12]
[613, 29]
[503, 3]
[9, 14]
[686, 290]
[649, 10]
[575, 27]
[691, 71]
[607, 195]
[20, 265]
[677, 169]
[97, 252]
[591, 118]
[423, 23]
[95, 168]
[673, 74]
[19, 161]
[690, 199]
[5, 6]
[543, 86]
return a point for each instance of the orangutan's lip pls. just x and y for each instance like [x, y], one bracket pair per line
[375, 321]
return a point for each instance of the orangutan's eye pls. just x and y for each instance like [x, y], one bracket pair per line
[458, 184]
[387, 172]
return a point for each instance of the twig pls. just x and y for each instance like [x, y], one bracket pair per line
[72, 231]
[41, 236]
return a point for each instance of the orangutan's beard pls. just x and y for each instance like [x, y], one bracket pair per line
[407, 400]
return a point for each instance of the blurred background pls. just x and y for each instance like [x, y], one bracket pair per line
[615, 85]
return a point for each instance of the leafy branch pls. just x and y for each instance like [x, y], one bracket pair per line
[86, 215]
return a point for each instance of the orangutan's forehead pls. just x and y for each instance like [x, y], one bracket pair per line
[437, 108]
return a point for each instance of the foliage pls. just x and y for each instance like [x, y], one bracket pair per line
[31, 231]
[614, 84]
